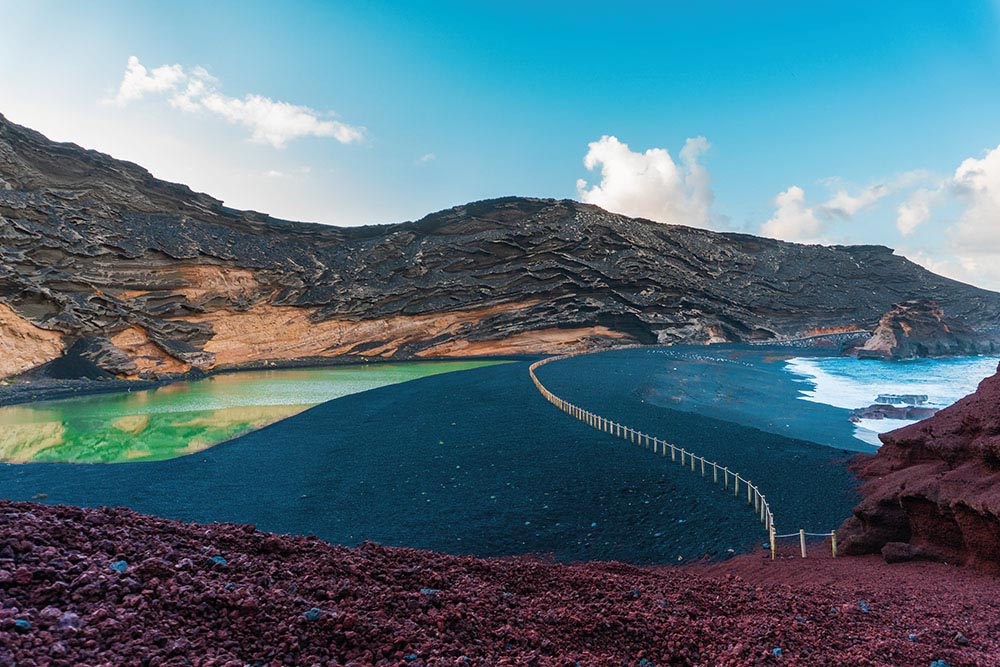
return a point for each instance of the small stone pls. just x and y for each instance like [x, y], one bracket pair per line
[776, 652]
[961, 639]
[410, 657]
[22, 625]
[69, 621]
[940, 663]
[912, 637]
[430, 591]
[865, 608]
[219, 560]
[313, 614]
[119, 566]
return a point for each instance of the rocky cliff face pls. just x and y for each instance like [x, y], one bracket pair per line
[933, 489]
[104, 266]
[920, 328]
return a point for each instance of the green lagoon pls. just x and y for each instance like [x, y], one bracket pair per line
[186, 417]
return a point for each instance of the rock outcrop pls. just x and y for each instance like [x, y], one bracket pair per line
[933, 489]
[920, 328]
[161, 280]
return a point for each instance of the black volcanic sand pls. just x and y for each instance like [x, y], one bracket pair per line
[737, 383]
[808, 485]
[467, 462]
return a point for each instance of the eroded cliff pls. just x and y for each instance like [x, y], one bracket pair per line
[933, 489]
[156, 279]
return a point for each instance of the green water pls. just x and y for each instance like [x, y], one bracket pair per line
[185, 417]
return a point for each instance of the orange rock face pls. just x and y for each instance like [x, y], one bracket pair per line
[24, 345]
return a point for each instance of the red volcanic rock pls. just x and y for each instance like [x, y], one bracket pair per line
[921, 329]
[935, 486]
[279, 600]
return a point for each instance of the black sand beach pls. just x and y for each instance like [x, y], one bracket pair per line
[476, 462]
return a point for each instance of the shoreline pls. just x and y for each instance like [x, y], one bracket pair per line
[52, 389]
[479, 463]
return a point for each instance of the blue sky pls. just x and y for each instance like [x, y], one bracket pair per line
[820, 120]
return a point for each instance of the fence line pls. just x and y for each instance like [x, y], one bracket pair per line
[754, 498]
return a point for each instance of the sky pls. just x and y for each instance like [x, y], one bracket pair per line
[848, 122]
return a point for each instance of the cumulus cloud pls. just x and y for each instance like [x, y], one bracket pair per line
[963, 210]
[425, 158]
[269, 121]
[845, 205]
[138, 81]
[795, 220]
[650, 184]
[976, 185]
[916, 209]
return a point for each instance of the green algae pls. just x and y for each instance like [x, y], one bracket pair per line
[186, 417]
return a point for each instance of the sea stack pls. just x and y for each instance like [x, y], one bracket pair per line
[920, 328]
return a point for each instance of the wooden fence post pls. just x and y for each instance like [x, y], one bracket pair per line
[725, 472]
[802, 541]
[715, 472]
[773, 546]
[833, 542]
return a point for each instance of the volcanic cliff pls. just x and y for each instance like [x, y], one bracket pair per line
[933, 490]
[108, 271]
[920, 328]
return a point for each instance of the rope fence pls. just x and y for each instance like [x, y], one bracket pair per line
[730, 480]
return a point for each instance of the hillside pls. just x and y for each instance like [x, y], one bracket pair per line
[111, 271]
[112, 587]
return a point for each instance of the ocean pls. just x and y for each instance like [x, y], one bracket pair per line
[846, 382]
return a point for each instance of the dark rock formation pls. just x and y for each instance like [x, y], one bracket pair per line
[171, 280]
[920, 328]
[935, 486]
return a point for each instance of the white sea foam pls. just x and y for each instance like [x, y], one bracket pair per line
[849, 383]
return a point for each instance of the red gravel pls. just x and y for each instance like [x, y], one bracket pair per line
[174, 606]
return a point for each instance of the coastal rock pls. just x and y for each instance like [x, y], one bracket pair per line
[160, 280]
[920, 328]
[935, 486]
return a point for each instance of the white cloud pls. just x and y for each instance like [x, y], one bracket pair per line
[425, 158]
[138, 81]
[963, 210]
[793, 220]
[976, 185]
[916, 209]
[650, 185]
[269, 121]
[845, 205]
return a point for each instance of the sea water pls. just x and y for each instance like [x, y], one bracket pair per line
[846, 382]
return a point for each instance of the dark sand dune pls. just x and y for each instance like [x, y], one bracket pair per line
[468, 462]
